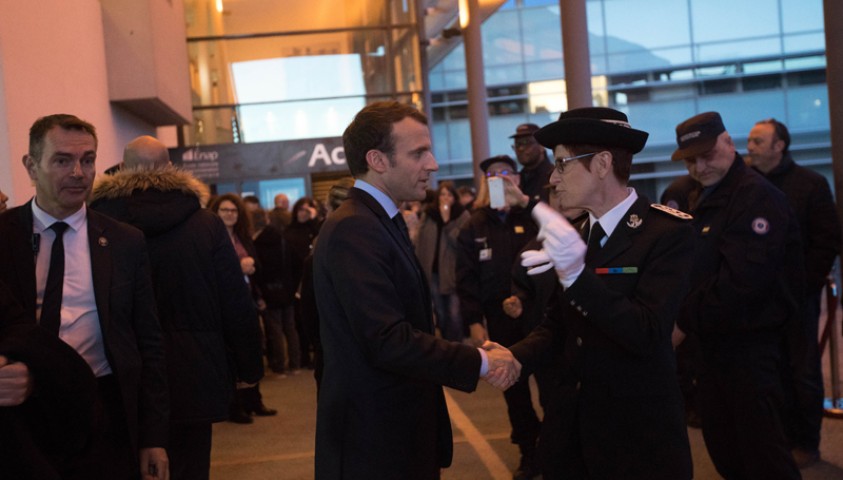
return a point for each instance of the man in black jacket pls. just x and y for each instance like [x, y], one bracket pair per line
[809, 196]
[745, 283]
[207, 315]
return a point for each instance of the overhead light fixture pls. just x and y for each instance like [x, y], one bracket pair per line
[464, 18]
[219, 6]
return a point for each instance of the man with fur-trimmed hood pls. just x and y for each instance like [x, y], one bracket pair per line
[207, 315]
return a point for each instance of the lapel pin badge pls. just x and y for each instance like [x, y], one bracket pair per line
[103, 242]
[634, 221]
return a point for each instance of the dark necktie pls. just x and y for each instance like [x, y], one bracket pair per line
[51, 305]
[402, 226]
[597, 234]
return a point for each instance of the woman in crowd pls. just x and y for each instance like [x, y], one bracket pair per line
[300, 234]
[230, 209]
[436, 246]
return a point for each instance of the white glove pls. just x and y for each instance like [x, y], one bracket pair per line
[561, 243]
[536, 261]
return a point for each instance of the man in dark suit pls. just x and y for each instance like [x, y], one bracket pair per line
[382, 411]
[617, 411]
[99, 300]
[807, 192]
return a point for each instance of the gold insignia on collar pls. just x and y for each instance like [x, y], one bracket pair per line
[634, 221]
[671, 211]
[103, 242]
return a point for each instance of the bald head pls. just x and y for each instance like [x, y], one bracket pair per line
[146, 152]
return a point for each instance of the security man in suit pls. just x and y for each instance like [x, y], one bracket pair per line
[381, 411]
[617, 411]
[745, 291]
[97, 297]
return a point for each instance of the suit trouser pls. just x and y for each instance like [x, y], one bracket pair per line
[804, 380]
[190, 451]
[519, 403]
[741, 401]
[112, 450]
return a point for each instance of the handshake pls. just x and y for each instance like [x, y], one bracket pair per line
[504, 368]
[562, 247]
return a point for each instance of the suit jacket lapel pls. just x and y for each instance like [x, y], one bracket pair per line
[24, 262]
[100, 266]
[398, 237]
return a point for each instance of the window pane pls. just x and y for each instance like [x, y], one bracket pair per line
[740, 111]
[659, 119]
[634, 25]
[715, 20]
[542, 34]
[808, 108]
[712, 52]
[809, 42]
[501, 39]
[802, 15]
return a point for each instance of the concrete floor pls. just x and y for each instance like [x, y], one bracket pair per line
[281, 447]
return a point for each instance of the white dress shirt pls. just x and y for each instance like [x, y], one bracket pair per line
[80, 325]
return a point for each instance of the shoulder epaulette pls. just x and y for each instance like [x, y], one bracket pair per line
[671, 211]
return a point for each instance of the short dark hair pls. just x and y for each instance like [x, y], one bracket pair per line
[621, 159]
[252, 199]
[339, 192]
[39, 130]
[371, 129]
[781, 131]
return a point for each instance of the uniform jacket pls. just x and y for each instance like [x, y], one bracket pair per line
[381, 411]
[125, 305]
[207, 315]
[748, 270]
[488, 247]
[618, 391]
[808, 194]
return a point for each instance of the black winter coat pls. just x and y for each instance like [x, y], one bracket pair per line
[210, 325]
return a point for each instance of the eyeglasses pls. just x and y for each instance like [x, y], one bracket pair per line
[502, 173]
[227, 210]
[522, 142]
[561, 162]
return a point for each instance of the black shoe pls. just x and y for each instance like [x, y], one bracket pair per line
[252, 402]
[238, 415]
[261, 411]
[527, 469]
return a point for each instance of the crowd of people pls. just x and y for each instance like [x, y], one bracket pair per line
[638, 319]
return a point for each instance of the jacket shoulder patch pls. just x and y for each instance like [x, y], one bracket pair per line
[671, 211]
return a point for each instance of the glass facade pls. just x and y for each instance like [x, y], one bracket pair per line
[273, 73]
[765, 58]
[264, 70]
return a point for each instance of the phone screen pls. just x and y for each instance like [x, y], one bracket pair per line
[496, 195]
